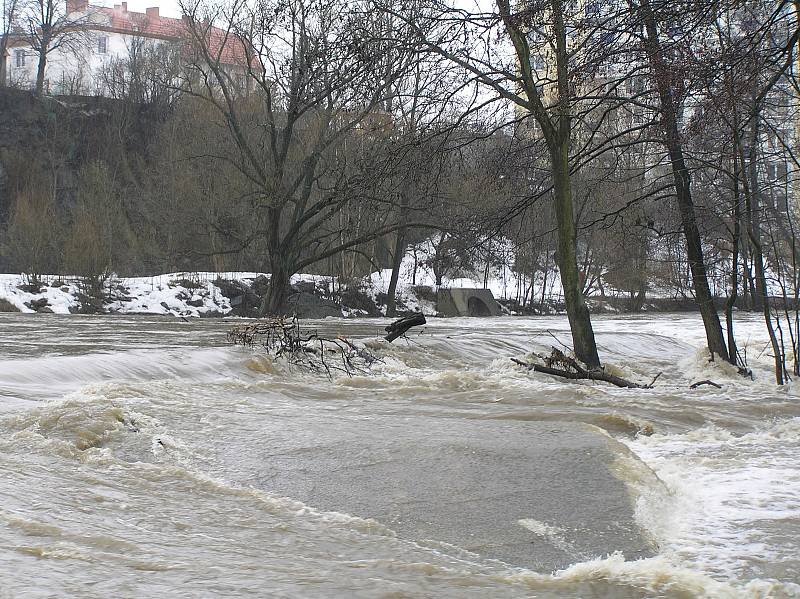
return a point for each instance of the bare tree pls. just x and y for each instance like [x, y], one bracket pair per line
[145, 74]
[668, 79]
[413, 101]
[556, 51]
[753, 72]
[32, 241]
[51, 27]
[8, 18]
[740, 106]
[302, 107]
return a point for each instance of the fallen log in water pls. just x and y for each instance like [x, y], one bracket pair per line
[400, 326]
[571, 369]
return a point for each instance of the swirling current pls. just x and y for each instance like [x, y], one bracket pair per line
[143, 456]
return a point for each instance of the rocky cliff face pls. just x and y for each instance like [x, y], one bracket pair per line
[19, 126]
[45, 142]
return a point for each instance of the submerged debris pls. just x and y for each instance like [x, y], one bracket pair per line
[560, 364]
[283, 338]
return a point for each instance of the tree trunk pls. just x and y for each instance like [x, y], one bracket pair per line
[399, 327]
[397, 259]
[682, 181]
[416, 265]
[694, 252]
[758, 260]
[9, 10]
[545, 272]
[577, 313]
[40, 71]
[274, 302]
[3, 82]
[748, 286]
[733, 351]
[734, 295]
[754, 233]
[757, 288]
[217, 259]
[558, 140]
[638, 298]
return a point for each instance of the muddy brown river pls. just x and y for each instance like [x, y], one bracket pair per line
[144, 457]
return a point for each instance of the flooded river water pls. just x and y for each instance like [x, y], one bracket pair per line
[144, 457]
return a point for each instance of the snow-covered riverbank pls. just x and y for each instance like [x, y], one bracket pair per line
[166, 294]
[211, 294]
[197, 294]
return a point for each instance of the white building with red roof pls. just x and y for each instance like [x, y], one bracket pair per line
[107, 35]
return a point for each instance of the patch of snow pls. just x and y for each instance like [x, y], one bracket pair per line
[59, 299]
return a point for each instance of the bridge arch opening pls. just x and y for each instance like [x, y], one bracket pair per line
[477, 307]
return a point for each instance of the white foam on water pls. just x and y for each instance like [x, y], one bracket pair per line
[555, 535]
[50, 377]
[540, 528]
[661, 577]
[718, 497]
[734, 500]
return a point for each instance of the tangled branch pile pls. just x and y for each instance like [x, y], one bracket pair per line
[560, 364]
[283, 338]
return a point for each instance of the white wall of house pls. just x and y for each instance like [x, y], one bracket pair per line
[77, 69]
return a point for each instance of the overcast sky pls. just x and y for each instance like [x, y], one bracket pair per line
[167, 8]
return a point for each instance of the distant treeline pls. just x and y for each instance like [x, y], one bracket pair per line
[90, 186]
[623, 147]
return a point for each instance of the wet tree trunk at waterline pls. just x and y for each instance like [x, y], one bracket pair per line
[397, 259]
[664, 78]
[580, 323]
[733, 351]
[274, 302]
[694, 252]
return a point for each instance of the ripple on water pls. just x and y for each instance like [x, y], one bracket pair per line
[156, 465]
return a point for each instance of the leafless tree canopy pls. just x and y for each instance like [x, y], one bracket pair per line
[596, 152]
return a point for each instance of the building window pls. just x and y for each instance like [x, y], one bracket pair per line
[102, 44]
[636, 85]
[239, 82]
[772, 171]
[19, 58]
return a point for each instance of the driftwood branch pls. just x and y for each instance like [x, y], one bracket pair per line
[559, 364]
[400, 326]
[653, 382]
[705, 382]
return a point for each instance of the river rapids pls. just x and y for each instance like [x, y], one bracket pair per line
[144, 457]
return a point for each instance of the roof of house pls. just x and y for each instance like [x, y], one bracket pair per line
[120, 18]
[148, 24]
[152, 24]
